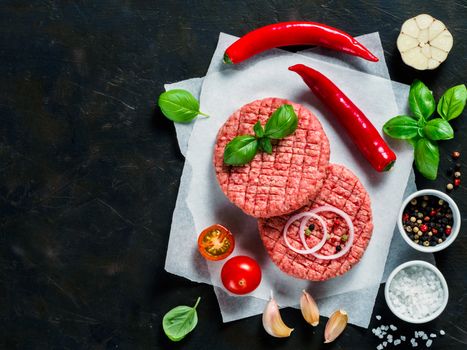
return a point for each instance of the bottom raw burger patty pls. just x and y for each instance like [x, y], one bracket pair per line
[343, 190]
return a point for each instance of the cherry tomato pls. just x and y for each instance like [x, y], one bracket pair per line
[241, 275]
[216, 242]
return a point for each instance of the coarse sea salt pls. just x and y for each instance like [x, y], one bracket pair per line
[416, 292]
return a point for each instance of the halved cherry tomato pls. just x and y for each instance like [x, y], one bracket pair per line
[216, 242]
[241, 275]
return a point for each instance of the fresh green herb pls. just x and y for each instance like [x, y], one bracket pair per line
[421, 130]
[179, 106]
[427, 158]
[438, 129]
[242, 149]
[180, 321]
[452, 103]
[282, 123]
[265, 145]
[421, 100]
[401, 127]
[258, 129]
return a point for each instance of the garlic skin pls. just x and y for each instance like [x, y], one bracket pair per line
[272, 321]
[335, 325]
[309, 308]
[424, 42]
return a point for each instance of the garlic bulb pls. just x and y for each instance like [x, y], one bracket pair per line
[272, 320]
[424, 42]
[309, 309]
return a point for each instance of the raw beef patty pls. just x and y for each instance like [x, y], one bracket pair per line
[281, 182]
[343, 190]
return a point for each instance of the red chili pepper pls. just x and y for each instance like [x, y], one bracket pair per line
[361, 131]
[294, 33]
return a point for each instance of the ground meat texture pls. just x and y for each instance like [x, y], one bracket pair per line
[343, 190]
[281, 182]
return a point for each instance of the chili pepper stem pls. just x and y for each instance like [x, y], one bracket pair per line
[227, 59]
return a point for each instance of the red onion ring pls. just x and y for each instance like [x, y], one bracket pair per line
[304, 215]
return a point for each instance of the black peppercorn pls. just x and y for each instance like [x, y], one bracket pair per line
[338, 248]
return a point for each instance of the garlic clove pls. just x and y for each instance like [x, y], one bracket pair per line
[335, 325]
[272, 321]
[309, 309]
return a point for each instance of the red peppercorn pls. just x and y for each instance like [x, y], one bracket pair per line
[423, 228]
[448, 230]
[426, 218]
[435, 231]
[457, 182]
[405, 217]
[433, 213]
[455, 154]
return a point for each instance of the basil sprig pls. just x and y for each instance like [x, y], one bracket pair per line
[242, 149]
[179, 106]
[180, 321]
[423, 131]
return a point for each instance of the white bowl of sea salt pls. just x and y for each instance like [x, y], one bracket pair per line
[416, 292]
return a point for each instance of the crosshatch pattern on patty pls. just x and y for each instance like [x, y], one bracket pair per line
[343, 190]
[277, 183]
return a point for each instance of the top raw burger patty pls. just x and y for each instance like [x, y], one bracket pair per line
[343, 190]
[281, 182]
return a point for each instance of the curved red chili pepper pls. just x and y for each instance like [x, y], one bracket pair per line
[361, 131]
[294, 33]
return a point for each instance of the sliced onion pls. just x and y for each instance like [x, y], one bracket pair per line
[315, 248]
[349, 223]
[305, 215]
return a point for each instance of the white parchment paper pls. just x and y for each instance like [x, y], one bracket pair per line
[234, 308]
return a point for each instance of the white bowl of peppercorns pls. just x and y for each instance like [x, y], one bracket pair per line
[429, 220]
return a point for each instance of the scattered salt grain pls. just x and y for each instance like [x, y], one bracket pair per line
[394, 328]
[389, 340]
[378, 317]
[424, 337]
[397, 342]
[428, 343]
[432, 335]
[442, 332]
[403, 337]
[379, 347]
[385, 343]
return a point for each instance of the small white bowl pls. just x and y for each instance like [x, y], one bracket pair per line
[431, 268]
[456, 216]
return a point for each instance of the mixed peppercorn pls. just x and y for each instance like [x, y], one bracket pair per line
[455, 172]
[427, 220]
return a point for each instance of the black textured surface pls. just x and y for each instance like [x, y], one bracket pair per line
[89, 169]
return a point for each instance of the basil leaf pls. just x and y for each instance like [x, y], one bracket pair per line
[421, 100]
[179, 105]
[401, 127]
[265, 145]
[438, 129]
[413, 141]
[180, 321]
[427, 158]
[282, 123]
[258, 129]
[452, 103]
[241, 150]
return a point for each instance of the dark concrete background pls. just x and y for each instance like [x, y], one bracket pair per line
[89, 169]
